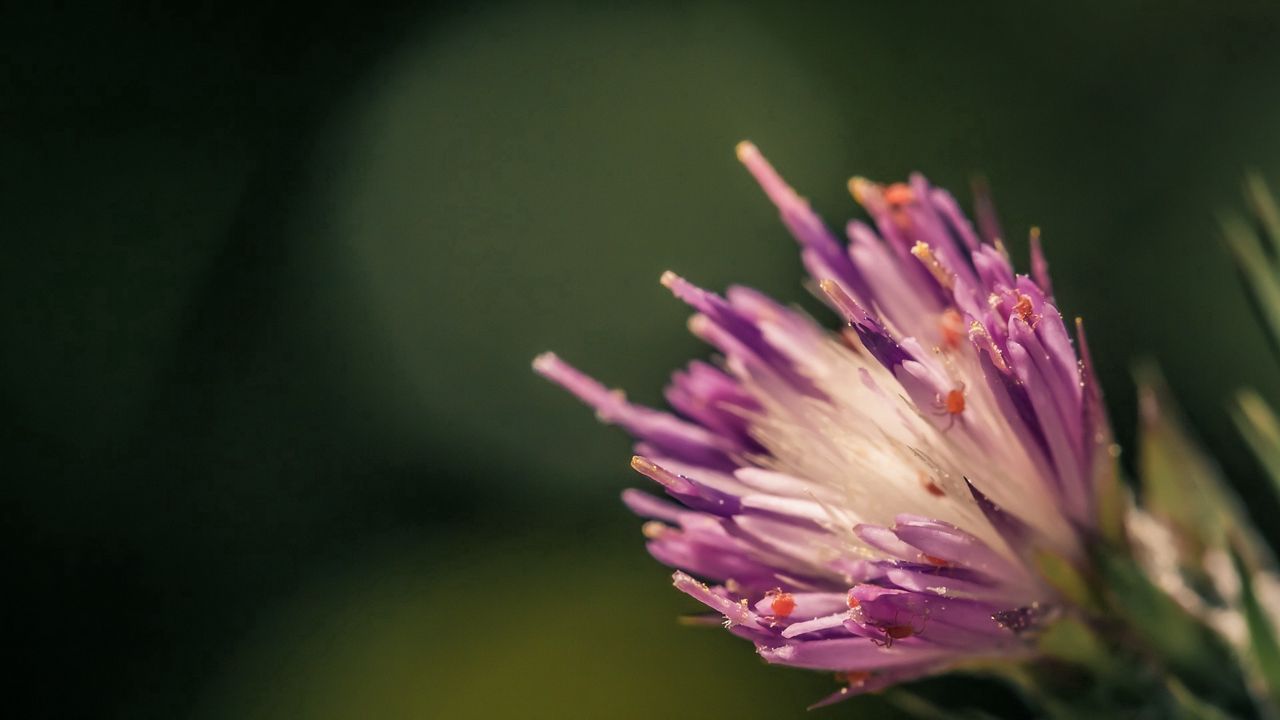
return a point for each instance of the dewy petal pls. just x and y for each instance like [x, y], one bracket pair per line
[691, 492]
[735, 334]
[874, 337]
[951, 582]
[646, 505]
[1018, 536]
[818, 624]
[821, 248]
[716, 401]
[804, 606]
[985, 212]
[1060, 428]
[1098, 436]
[707, 555]
[870, 500]
[886, 541]
[1039, 265]
[680, 438]
[734, 613]
[957, 547]
[853, 653]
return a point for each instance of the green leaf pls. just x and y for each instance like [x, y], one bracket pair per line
[1066, 578]
[1264, 646]
[1100, 671]
[1186, 706]
[1257, 250]
[1112, 497]
[1264, 207]
[1070, 640]
[1162, 625]
[1261, 429]
[1180, 485]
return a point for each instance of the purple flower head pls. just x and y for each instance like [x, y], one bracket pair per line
[870, 501]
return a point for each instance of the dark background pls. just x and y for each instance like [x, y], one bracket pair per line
[274, 273]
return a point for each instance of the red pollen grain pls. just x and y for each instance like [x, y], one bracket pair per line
[853, 602]
[955, 402]
[935, 560]
[899, 194]
[856, 678]
[952, 328]
[783, 605]
[1023, 308]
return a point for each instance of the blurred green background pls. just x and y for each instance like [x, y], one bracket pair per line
[274, 275]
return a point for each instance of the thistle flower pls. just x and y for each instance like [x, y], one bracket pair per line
[875, 501]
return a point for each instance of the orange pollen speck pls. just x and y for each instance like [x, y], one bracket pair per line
[1023, 308]
[955, 402]
[855, 678]
[849, 338]
[953, 329]
[899, 194]
[853, 602]
[783, 605]
[935, 560]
